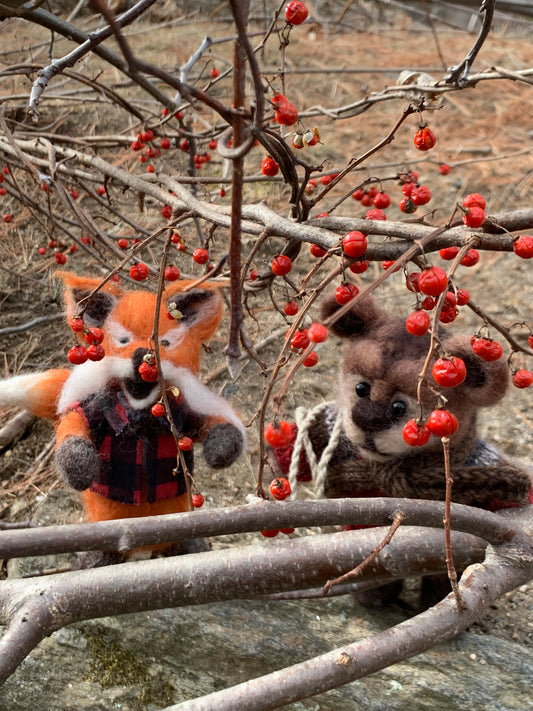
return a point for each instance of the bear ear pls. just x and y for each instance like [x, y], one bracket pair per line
[200, 307]
[486, 382]
[98, 308]
[361, 318]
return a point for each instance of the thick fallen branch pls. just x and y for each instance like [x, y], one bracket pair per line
[506, 567]
[33, 608]
[124, 534]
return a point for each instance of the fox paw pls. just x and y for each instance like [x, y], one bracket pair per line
[78, 463]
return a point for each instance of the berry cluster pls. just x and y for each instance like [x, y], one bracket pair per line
[93, 336]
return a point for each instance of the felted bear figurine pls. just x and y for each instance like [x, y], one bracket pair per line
[378, 395]
[109, 444]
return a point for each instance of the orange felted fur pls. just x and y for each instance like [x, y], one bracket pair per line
[109, 444]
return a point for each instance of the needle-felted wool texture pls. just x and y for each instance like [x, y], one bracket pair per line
[377, 396]
[109, 444]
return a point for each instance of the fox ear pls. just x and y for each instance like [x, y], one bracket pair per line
[362, 317]
[486, 382]
[98, 308]
[200, 307]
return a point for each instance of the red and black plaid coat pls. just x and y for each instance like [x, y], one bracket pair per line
[137, 450]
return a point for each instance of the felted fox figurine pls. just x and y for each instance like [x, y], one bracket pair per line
[378, 384]
[109, 444]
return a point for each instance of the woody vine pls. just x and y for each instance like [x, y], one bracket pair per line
[77, 197]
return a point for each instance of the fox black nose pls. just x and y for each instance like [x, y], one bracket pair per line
[136, 386]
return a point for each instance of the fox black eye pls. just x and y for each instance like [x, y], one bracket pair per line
[165, 343]
[362, 389]
[398, 408]
[123, 340]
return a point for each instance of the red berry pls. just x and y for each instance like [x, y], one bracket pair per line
[100, 190]
[3, 191]
[358, 194]
[136, 146]
[42, 250]
[215, 73]
[280, 488]
[327, 179]
[433, 281]
[487, 349]
[367, 200]
[387, 264]
[139, 271]
[172, 273]
[290, 308]
[252, 276]
[222, 192]
[381, 201]
[94, 335]
[448, 316]
[311, 360]
[286, 113]
[470, 258]
[449, 372]
[86, 240]
[8, 218]
[424, 139]
[296, 12]
[5, 170]
[286, 531]
[474, 200]
[185, 145]
[530, 340]
[407, 206]
[420, 195]
[522, 378]
[317, 251]
[442, 423]
[197, 500]
[77, 355]
[523, 247]
[150, 168]
[318, 333]
[411, 282]
[372, 192]
[95, 352]
[200, 255]
[428, 304]
[270, 534]
[417, 323]
[123, 243]
[444, 169]
[360, 266]
[269, 166]
[165, 144]
[158, 410]
[354, 244]
[475, 216]
[147, 135]
[375, 214]
[416, 435]
[185, 444]
[281, 265]
[213, 144]
[345, 292]
[463, 297]
[407, 188]
[61, 258]
[279, 436]
[77, 325]
[148, 372]
[300, 340]
[166, 211]
[449, 253]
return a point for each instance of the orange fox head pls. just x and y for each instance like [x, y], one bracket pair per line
[127, 320]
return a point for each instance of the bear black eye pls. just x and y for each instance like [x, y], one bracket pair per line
[398, 408]
[362, 389]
